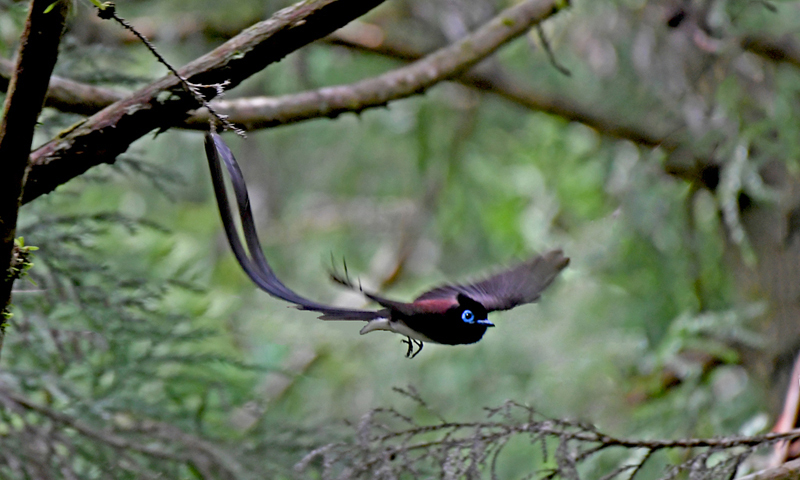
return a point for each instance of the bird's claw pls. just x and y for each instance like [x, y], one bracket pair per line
[412, 342]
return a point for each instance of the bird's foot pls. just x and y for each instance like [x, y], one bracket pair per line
[412, 342]
[419, 347]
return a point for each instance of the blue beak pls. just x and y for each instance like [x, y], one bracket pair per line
[485, 322]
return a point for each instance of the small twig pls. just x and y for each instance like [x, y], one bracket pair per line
[641, 463]
[414, 395]
[108, 11]
[549, 51]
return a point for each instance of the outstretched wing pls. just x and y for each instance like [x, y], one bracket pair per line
[257, 267]
[522, 283]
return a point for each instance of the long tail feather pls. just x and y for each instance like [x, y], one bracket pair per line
[257, 267]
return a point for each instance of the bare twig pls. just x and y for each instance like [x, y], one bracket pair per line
[550, 55]
[109, 12]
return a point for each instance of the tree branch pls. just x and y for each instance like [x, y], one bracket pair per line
[262, 112]
[440, 65]
[164, 104]
[495, 80]
[257, 111]
[36, 58]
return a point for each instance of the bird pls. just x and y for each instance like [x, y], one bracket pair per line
[453, 314]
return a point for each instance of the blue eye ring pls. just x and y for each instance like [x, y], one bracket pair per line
[467, 316]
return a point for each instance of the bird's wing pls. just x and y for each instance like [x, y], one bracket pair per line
[257, 267]
[522, 283]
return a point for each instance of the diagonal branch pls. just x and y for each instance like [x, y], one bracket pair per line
[164, 104]
[495, 80]
[443, 64]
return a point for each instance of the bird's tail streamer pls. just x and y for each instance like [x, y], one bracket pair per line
[254, 263]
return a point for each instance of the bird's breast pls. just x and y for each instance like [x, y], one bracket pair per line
[396, 326]
[441, 329]
[428, 327]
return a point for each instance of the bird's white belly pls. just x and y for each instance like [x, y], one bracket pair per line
[396, 326]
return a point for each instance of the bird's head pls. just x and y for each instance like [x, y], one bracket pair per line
[470, 312]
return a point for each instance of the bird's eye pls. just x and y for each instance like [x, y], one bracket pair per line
[468, 316]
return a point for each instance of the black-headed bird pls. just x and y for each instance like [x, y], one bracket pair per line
[449, 314]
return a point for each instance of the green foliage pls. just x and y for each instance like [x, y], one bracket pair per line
[22, 259]
[121, 356]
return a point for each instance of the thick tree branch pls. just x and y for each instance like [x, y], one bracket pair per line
[36, 58]
[164, 104]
